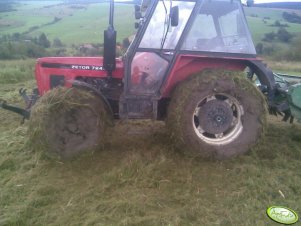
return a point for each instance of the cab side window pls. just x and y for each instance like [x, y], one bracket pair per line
[158, 28]
[220, 26]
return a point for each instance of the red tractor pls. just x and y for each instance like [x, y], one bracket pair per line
[185, 65]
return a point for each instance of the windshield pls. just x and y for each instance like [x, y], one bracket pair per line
[158, 25]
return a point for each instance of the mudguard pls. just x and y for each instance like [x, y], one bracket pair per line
[265, 76]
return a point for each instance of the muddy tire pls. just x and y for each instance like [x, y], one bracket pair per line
[216, 114]
[67, 122]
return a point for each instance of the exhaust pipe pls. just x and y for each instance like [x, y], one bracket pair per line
[109, 51]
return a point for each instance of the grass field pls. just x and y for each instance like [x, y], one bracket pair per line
[140, 178]
[91, 23]
[16, 71]
[292, 68]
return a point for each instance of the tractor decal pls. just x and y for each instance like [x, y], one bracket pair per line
[74, 66]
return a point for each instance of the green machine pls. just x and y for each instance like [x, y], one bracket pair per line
[289, 93]
[294, 100]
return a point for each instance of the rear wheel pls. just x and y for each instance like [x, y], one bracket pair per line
[216, 114]
[67, 122]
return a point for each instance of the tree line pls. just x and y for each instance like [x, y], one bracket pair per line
[291, 17]
[19, 46]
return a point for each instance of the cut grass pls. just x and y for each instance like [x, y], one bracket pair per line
[141, 179]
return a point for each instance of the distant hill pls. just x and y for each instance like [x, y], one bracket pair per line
[281, 5]
[6, 6]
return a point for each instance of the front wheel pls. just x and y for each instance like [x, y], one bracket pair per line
[67, 122]
[216, 114]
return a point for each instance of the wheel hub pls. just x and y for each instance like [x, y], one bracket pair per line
[215, 117]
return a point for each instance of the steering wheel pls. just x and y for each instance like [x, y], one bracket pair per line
[209, 44]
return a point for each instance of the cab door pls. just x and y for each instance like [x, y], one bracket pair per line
[156, 43]
[149, 57]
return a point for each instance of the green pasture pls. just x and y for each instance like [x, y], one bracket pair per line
[29, 5]
[258, 28]
[86, 24]
[273, 14]
[77, 25]
[28, 14]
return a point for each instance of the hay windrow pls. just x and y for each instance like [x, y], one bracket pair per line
[65, 122]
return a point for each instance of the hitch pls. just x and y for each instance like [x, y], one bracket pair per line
[25, 113]
[30, 100]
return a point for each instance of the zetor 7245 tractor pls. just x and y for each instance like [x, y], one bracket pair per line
[185, 65]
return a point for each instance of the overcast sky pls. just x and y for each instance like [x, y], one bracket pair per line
[264, 1]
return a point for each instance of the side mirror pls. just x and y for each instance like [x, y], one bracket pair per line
[174, 16]
[137, 8]
[250, 3]
[137, 25]
[126, 43]
[138, 14]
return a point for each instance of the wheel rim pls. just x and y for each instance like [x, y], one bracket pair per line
[217, 119]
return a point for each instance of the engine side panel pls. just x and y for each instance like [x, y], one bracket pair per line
[54, 71]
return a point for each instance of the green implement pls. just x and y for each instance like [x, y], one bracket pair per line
[292, 85]
[294, 100]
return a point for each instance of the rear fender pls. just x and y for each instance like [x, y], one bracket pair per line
[187, 65]
[265, 76]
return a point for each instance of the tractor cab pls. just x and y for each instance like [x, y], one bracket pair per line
[170, 30]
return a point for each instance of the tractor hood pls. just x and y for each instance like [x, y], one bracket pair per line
[53, 71]
[77, 63]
